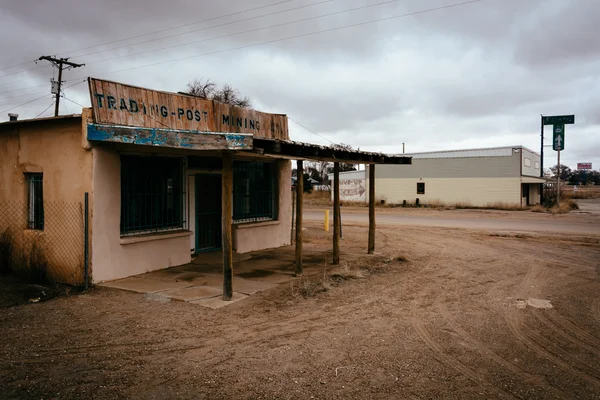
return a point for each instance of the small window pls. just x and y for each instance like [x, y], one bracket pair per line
[420, 187]
[35, 214]
[537, 165]
[527, 162]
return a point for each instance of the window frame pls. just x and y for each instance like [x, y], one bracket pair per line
[155, 217]
[269, 193]
[420, 191]
[35, 201]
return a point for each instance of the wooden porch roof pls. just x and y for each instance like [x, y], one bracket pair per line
[309, 151]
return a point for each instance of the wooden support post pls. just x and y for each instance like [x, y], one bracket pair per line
[336, 213]
[227, 215]
[371, 248]
[299, 194]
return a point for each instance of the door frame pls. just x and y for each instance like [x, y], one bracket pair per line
[196, 175]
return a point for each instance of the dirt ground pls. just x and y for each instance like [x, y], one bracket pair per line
[459, 319]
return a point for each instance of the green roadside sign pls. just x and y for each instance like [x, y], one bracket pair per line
[558, 119]
[558, 137]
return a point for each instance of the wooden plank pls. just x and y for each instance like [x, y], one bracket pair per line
[336, 213]
[371, 248]
[227, 216]
[299, 196]
[169, 138]
[126, 105]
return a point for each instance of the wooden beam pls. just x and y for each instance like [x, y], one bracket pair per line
[371, 248]
[299, 195]
[336, 213]
[227, 215]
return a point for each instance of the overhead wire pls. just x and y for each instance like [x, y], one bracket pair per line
[295, 36]
[180, 26]
[309, 130]
[51, 104]
[251, 30]
[207, 28]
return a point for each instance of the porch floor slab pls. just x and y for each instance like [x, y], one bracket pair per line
[201, 281]
[143, 285]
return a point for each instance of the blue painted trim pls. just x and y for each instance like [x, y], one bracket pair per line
[166, 137]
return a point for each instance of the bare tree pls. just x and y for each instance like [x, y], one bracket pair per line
[207, 89]
[203, 88]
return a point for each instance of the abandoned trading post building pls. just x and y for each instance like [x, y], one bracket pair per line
[159, 169]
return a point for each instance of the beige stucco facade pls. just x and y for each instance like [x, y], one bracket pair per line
[53, 148]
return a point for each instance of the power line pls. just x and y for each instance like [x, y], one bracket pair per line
[16, 65]
[20, 72]
[47, 108]
[253, 29]
[74, 102]
[182, 26]
[310, 130]
[36, 99]
[299, 36]
[203, 29]
[21, 105]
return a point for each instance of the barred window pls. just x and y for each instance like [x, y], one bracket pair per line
[35, 214]
[254, 191]
[151, 194]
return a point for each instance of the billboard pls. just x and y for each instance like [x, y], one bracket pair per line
[585, 165]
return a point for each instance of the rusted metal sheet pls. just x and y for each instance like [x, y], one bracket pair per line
[169, 138]
[124, 105]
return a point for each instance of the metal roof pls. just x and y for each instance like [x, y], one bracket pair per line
[505, 151]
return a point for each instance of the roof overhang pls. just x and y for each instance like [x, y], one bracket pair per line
[308, 151]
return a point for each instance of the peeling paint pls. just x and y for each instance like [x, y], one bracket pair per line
[169, 138]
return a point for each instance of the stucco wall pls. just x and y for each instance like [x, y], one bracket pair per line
[53, 148]
[114, 257]
[531, 163]
[474, 191]
[265, 235]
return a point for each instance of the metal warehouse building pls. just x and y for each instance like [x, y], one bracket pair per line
[478, 177]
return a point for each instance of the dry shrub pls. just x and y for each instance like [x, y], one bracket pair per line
[565, 206]
[312, 285]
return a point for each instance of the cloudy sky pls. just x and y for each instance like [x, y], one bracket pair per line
[433, 74]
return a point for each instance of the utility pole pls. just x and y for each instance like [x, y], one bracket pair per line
[542, 159]
[60, 63]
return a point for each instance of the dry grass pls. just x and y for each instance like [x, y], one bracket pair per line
[566, 206]
[318, 198]
[490, 206]
[310, 286]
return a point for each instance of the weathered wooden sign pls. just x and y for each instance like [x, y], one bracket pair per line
[124, 105]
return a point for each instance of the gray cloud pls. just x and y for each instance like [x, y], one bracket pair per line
[472, 76]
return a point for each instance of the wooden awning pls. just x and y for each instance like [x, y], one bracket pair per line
[309, 151]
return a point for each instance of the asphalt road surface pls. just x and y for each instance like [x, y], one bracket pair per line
[580, 223]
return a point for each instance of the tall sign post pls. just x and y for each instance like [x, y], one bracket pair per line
[558, 142]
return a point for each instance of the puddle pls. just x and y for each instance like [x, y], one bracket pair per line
[535, 303]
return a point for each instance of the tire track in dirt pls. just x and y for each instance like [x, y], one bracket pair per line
[564, 327]
[596, 309]
[526, 336]
[533, 340]
[439, 353]
[484, 351]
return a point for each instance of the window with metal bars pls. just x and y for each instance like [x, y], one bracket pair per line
[151, 194]
[35, 212]
[254, 191]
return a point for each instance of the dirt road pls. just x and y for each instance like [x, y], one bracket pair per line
[464, 318]
[587, 223]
